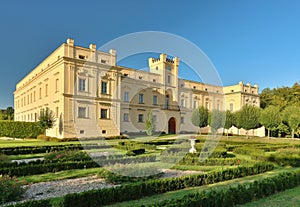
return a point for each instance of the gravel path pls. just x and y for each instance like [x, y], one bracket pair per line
[44, 190]
[63, 187]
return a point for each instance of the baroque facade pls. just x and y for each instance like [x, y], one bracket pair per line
[92, 96]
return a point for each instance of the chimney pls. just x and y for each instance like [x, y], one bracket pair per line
[93, 47]
[70, 41]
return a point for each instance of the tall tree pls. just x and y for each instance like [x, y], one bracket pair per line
[10, 113]
[200, 117]
[291, 117]
[216, 119]
[150, 125]
[270, 118]
[46, 118]
[294, 122]
[229, 121]
[248, 118]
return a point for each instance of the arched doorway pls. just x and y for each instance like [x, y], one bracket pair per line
[172, 126]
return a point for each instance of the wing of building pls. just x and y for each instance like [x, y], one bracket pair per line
[92, 96]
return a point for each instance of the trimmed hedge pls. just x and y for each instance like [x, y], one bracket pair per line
[214, 161]
[138, 190]
[44, 149]
[40, 167]
[18, 129]
[240, 194]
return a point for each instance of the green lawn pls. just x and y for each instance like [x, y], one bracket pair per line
[31, 142]
[27, 156]
[288, 198]
[67, 174]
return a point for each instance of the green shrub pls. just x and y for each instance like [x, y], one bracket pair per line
[17, 129]
[4, 159]
[11, 189]
[67, 155]
[135, 152]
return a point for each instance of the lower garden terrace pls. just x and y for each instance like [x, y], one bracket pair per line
[148, 171]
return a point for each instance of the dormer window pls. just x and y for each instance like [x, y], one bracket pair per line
[81, 57]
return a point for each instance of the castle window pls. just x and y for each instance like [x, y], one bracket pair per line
[141, 98]
[81, 57]
[140, 77]
[154, 100]
[156, 68]
[104, 114]
[140, 118]
[169, 79]
[125, 117]
[194, 87]
[195, 104]
[104, 87]
[231, 107]
[154, 118]
[81, 112]
[154, 80]
[46, 90]
[81, 84]
[169, 68]
[182, 120]
[232, 91]
[126, 96]
[56, 112]
[103, 61]
[182, 103]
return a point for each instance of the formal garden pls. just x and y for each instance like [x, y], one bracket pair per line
[159, 171]
[163, 170]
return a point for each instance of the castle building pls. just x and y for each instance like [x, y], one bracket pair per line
[92, 96]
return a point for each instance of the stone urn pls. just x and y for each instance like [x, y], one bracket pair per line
[193, 141]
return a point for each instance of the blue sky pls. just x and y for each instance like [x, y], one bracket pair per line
[250, 40]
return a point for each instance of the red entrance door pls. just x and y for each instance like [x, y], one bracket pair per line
[172, 126]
